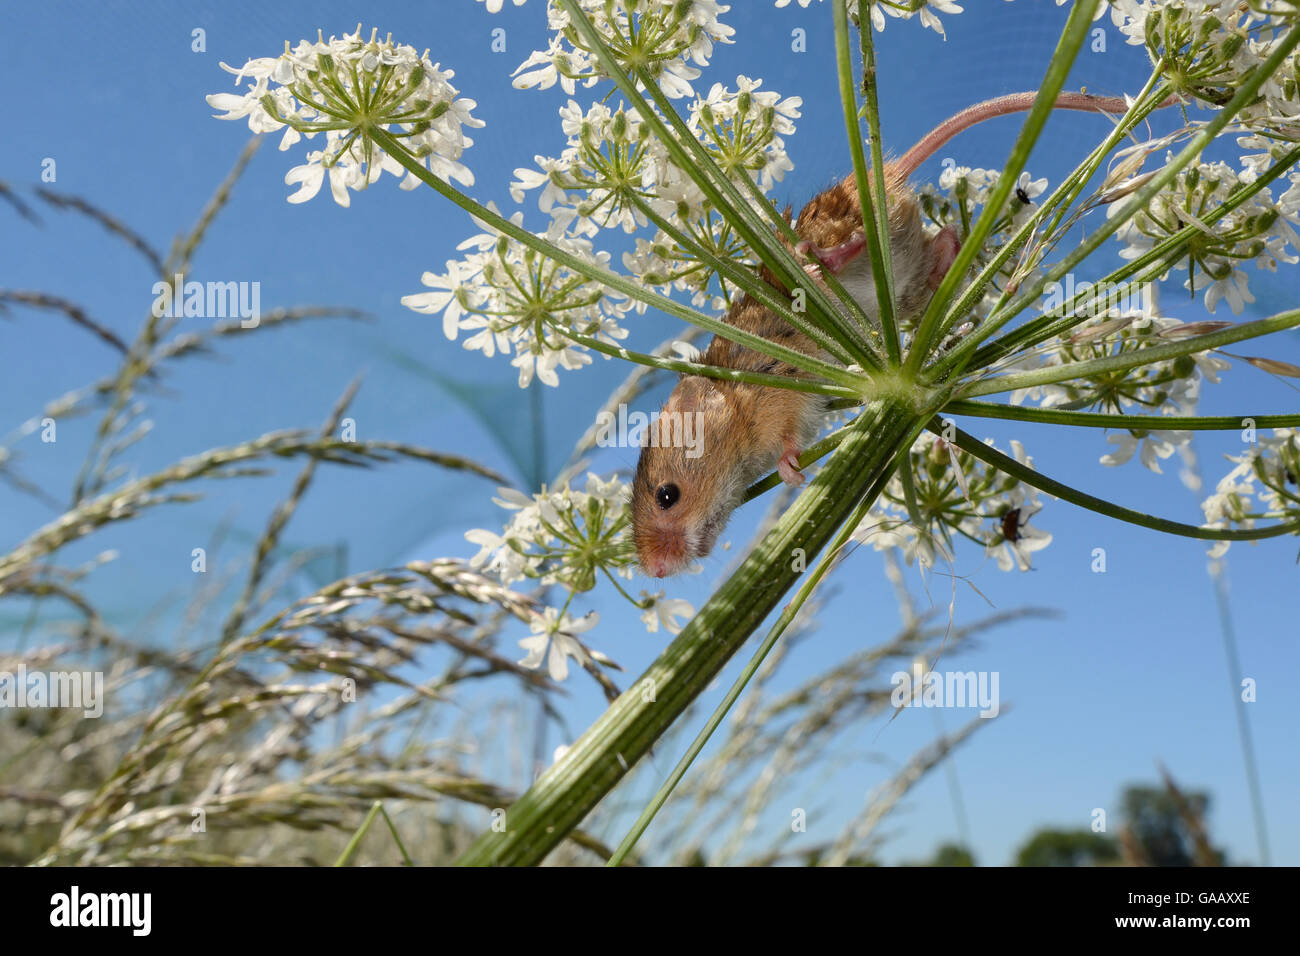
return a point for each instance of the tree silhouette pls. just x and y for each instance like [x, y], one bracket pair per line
[1162, 826]
[1050, 847]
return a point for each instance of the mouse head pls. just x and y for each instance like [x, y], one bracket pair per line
[684, 490]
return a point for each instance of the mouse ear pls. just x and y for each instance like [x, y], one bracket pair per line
[944, 248]
[686, 397]
[693, 394]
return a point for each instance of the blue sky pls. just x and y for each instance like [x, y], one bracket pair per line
[1132, 672]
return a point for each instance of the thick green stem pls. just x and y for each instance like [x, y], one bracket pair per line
[788, 614]
[568, 791]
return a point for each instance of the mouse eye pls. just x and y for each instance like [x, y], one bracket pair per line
[666, 495]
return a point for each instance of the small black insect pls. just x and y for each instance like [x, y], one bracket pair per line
[1011, 525]
[1022, 195]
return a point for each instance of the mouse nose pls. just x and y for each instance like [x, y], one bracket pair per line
[661, 552]
[660, 565]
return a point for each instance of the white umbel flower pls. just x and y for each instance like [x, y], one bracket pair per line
[349, 89]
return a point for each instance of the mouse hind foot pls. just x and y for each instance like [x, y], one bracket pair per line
[834, 258]
[788, 468]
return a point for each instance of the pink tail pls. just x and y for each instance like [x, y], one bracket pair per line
[1001, 106]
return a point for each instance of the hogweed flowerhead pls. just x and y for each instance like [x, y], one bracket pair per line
[609, 164]
[1205, 48]
[742, 129]
[515, 300]
[667, 40]
[612, 166]
[1259, 230]
[1263, 486]
[1195, 45]
[566, 537]
[1167, 388]
[348, 88]
[956, 495]
[560, 536]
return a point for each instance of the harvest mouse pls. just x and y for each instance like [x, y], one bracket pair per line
[682, 498]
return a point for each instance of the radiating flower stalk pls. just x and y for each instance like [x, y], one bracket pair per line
[687, 175]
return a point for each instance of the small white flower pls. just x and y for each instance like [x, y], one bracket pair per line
[1155, 447]
[1032, 188]
[972, 184]
[877, 11]
[553, 640]
[665, 611]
